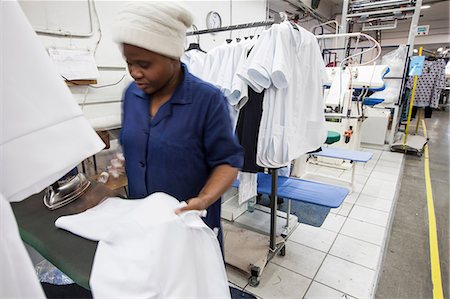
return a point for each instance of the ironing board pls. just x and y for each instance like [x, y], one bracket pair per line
[302, 190]
[71, 254]
[343, 154]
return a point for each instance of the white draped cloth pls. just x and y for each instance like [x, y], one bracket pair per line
[43, 135]
[145, 250]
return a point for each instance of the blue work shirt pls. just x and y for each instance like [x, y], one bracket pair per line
[176, 150]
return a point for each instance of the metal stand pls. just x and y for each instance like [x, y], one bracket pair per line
[275, 248]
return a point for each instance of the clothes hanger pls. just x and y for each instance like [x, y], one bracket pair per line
[195, 46]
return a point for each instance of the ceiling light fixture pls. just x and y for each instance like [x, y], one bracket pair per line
[425, 6]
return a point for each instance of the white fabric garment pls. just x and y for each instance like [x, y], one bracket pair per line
[220, 68]
[194, 60]
[256, 70]
[43, 131]
[247, 186]
[17, 276]
[288, 63]
[145, 250]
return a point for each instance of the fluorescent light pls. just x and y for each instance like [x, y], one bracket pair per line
[415, 51]
[425, 6]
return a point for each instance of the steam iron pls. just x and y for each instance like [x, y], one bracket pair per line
[64, 192]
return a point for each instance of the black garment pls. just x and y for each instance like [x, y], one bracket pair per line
[238, 294]
[247, 129]
[65, 291]
[428, 112]
[75, 291]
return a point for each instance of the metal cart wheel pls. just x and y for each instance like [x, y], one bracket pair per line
[254, 279]
[283, 250]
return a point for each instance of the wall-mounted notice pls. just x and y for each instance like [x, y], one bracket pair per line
[74, 64]
[423, 30]
[416, 65]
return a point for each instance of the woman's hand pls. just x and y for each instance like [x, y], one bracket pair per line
[195, 203]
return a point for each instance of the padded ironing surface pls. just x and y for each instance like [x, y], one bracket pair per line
[332, 137]
[371, 76]
[301, 190]
[372, 101]
[345, 154]
[70, 253]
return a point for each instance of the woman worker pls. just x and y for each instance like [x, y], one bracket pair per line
[176, 132]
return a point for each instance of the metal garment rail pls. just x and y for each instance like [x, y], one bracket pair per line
[234, 27]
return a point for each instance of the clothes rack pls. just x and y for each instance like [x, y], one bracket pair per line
[278, 19]
[274, 247]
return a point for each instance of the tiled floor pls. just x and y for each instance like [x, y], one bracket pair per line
[340, 259]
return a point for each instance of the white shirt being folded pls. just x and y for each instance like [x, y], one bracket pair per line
[145, 250]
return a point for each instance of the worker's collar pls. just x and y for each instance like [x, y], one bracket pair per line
[181, 95]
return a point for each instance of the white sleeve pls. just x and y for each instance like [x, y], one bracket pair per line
[258, 67]
[281, 73]
[95, 223]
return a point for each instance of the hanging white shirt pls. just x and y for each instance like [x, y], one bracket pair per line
[293, 121]
[145, 250]
[194, 60]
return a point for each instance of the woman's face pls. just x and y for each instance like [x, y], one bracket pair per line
[150, 71]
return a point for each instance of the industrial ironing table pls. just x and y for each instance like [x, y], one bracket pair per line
[71, 254]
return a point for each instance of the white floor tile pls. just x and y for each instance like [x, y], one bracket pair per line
[388, 170]
[370, 163]
[374, 203]
[391, 156]
[397, 161]
[300, 259]
[359, 177]
[347, 277]
[352, 198]
[237, 277]
[320, 291]
[356, 251]
[343, 210]
[360, 169]
[314, 237]
[391, 164]
[329, 171]
[384, 176]
[358, 187]
[369, 215]
[278, 282]
[363, 231]
[379, 188]
[333, 222]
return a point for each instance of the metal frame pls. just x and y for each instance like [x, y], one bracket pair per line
[349, 7]
[273, 246]
[233, 27]
[396, 106]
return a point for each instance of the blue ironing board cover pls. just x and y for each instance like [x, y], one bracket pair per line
[345, 154]
[302, 190]
[372, 101]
